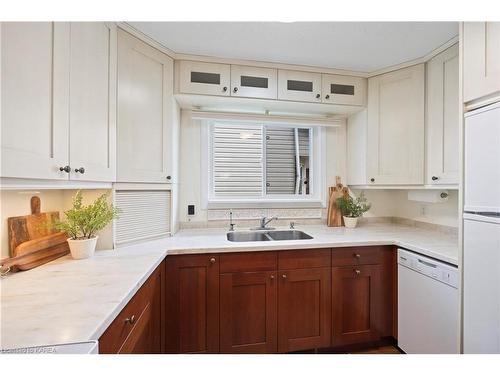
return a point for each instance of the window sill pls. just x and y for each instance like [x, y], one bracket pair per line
[265, 203]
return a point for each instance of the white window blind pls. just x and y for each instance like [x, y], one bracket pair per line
[280, 160]
[237, 160]
[143, 215]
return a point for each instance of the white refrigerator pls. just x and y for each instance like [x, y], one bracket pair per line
[481, 262]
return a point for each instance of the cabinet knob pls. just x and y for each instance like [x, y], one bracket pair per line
[224, 88]
[283, 276]
[318, 96]
[80, 170]
[271, 277]
[357, 272]
[357, 255]
[235, 89]
[66, 169]
[130, 320]
[327, 97]
[372, 179]
[169, 177]
[434, 178]
[212, 260]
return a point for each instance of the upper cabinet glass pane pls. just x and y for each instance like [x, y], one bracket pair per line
[203, 77]
[341, 89]
[294, 85]
[259, 82]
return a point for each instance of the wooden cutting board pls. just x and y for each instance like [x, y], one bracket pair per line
[32, 239]
[334, 218]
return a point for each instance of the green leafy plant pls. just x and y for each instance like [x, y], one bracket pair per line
[353, 206]
[82, 222]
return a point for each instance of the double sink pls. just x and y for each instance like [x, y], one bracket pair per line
[271, 235]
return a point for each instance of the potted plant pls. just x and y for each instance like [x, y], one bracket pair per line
[352, 208]
[83, 222]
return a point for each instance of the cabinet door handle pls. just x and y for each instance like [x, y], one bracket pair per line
[130, 320]
[434, 178]
[80, 170]
[271, 277]
[224, 88]
[66, 169]
[357, 272]
[318, 96]
[357, 255]
[169, 177]
[235, 89]
[327, 97]
[283, 276]
[372, 179]
[212, 260]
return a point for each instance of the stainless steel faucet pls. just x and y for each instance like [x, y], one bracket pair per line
[231, 224]
[263, 223]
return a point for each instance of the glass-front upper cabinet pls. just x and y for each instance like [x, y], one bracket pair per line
[346, 90]
[299, 86]
[204, 78]
[254, 82]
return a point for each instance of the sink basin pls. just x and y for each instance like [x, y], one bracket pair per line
[283, 235]
[247, 236]
[278, 235]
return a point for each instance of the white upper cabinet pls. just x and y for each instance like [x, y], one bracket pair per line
[395, 137]
[299, 86]
[145, 110]
[254, 82]
[347, 90]
[34, 99]
[92, 114]
[204, 78]
[481, 59]
[443, 121]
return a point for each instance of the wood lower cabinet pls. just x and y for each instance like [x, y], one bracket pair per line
[304, 320]
[248, 312]
[139, 327]
[192, 304]
[357, 299]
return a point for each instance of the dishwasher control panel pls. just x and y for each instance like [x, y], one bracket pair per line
[435, 269]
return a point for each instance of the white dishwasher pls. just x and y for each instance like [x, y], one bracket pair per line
[427, 305]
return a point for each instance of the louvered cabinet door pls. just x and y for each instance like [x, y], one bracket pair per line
[145, 112]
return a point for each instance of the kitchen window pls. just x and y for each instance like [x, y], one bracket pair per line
[251, 163]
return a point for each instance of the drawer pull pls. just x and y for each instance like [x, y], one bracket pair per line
[357, 256]
[130, 320]
[283, 276]
[358, 272]
[272, 277]
[212, 260]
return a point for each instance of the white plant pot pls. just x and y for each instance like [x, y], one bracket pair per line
[82, 249]
[350, 222]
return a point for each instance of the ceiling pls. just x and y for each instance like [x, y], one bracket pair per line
[357, 46]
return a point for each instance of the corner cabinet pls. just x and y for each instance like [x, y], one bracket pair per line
[144, 129]
[481, 60]
[443, 122]
[396, 123]
[68, 131]
[345, 90]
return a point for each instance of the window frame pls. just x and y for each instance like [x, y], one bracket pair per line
[317, 158]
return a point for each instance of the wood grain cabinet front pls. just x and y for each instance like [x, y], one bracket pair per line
[192, 307]
[138, 329]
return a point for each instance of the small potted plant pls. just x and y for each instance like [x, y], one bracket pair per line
[352, 208]
[83, 222]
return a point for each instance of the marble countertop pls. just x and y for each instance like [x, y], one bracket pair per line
[72, 301]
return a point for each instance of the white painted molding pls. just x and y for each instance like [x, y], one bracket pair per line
[26, 183]
[147, 39]
[403, 187]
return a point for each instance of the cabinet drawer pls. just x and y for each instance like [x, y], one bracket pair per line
[295, 259]
[119, 336]
[347, 90]
[204, 78]
[352, 256]
[246, 262]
